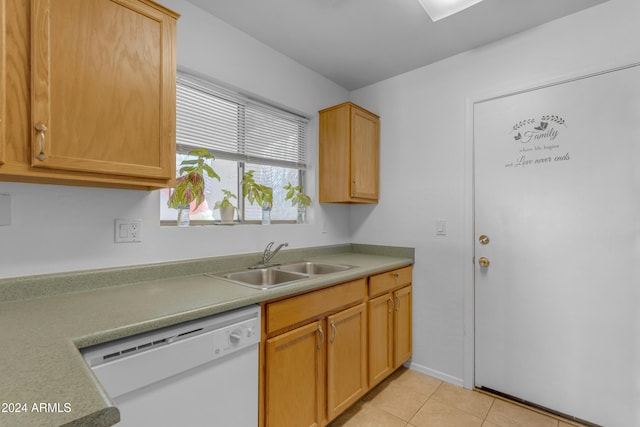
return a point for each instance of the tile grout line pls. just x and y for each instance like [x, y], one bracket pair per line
[493, 401]
[483, 418]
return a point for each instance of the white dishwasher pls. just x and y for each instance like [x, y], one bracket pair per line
[199, 373]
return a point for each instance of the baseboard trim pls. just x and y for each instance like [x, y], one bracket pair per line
[436, 374]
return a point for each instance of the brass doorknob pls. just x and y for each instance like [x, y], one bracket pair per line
[484, 262]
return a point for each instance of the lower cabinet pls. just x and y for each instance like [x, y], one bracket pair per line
[323, 350]
[380, 338]
[315, 371]
[402, 326]
[294, 394]
[389, 315]
[346, 358]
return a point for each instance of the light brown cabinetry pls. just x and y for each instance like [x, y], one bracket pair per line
[3, 79]
[294, 394]
[389, 311]
[93, 85]
[315, 355]
[349, 155]
[346, 358]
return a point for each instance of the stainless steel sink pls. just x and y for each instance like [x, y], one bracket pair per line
[313, 268]
[273, 276]
[263, 278]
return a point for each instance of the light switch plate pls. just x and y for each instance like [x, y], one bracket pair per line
[5, 209]
[441, 227]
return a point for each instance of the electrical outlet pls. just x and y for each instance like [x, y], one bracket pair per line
[135, 230]
[128, 230]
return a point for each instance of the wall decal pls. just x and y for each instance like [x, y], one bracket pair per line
[538, 141]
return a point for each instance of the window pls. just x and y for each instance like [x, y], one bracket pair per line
[243, 135]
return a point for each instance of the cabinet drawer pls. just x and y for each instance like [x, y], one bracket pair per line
[385, 282]
[291, 311]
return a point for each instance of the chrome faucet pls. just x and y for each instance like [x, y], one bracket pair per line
[268, 253]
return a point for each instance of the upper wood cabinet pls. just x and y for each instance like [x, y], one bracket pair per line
[349, 155]
[95, 93]
[3, 80]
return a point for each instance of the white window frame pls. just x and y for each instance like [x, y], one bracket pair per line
[246, 131]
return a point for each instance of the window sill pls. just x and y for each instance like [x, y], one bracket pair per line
[206, 223]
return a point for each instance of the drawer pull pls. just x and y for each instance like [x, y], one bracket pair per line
[321, 332]
[333, 327]
[41, 129]
[396, 275]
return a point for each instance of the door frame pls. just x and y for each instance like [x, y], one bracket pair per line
[468, 226]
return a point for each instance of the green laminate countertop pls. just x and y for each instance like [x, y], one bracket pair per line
[44, 380]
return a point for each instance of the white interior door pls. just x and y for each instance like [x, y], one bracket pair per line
[557, 192]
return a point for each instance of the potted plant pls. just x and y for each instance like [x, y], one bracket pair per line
[258, 193]
[299, 198]
[190, 184]
[227, 209]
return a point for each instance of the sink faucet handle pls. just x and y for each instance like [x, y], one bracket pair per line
[268, 253]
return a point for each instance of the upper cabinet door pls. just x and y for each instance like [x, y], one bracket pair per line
[364, 155]
[3, 80]
[103, 87]
[349, 140]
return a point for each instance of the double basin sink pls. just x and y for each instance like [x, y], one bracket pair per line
[273, 276]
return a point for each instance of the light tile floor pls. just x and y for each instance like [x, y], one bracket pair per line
[411, 399]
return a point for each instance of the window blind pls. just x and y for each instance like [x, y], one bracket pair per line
[235, 127]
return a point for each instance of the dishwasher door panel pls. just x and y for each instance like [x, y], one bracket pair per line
[223, 392]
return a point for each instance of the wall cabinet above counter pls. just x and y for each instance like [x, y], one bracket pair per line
[349, 154]
[90, 96]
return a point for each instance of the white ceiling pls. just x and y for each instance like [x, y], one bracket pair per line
[359, 42]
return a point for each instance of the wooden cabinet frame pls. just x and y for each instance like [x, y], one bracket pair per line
[349, 151]
[323, 333]
[402, 328]
[3, 79]
[91, 90]
[346, 358]
[390, 322]
[130, 80]
[380, 312]
[298, 397]
[323, 350]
